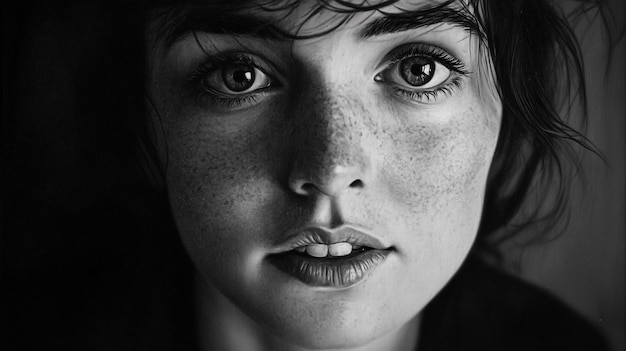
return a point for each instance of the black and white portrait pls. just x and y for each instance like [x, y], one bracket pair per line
[347, 175]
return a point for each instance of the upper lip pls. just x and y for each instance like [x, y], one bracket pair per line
[318, 235]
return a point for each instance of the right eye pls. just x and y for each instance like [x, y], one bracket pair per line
[231, 82]
[235, 79]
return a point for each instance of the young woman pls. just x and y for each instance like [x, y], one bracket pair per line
[335, 170]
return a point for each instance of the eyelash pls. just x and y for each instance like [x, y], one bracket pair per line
[222, 100]
[227, 102]
[430, 95]
[456, 67]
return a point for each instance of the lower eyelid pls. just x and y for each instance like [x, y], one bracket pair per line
[214, 100]
[432, 94]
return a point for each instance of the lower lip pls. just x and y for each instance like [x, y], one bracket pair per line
[340, 272]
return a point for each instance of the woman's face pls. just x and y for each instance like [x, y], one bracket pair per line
[329, 187]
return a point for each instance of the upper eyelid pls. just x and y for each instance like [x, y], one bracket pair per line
[396, 55]
[433, 52]
[223, 59]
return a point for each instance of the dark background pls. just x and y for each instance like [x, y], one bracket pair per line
[56, 242]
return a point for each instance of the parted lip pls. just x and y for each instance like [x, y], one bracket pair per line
[319, 235]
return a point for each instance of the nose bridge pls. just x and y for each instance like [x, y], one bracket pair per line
[331, 153]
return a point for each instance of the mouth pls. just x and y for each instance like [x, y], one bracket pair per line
[323, 258]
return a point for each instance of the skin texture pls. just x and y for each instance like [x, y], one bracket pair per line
[327, 145]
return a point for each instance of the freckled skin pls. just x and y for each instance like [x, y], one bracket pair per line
[234, 181]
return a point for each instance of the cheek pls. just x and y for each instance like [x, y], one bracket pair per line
[435, 174]
[216, 179]
[434, 179]
[440, 162]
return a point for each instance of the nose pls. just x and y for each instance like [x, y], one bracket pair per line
[331, 156]
[333, 182]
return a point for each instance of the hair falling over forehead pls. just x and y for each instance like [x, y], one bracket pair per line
[537, 63]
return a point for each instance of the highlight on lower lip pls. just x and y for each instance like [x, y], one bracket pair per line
[329, 272]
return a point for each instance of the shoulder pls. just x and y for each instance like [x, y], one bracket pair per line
[483, 308]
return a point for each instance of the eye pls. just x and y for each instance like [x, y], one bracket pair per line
[420, 71]
[232, 81]
[235, 79]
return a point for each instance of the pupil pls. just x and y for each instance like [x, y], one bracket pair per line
[242, 76]
[238, 78]
[417, 71]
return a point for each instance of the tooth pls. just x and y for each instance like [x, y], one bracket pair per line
[340, 249]
[300, 249]
[317, 250]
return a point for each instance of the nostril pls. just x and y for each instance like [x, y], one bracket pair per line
[307, 187]
[330, 183]
[356, 184]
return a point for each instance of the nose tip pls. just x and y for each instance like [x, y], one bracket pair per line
[331, 148]
[338, 180]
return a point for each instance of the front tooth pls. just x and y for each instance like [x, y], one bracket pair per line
[317, 250]
[340, 249]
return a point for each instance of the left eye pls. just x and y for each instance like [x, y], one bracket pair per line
[418, 71]
[236, 79]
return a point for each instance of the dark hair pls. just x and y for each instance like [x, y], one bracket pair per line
[538, 64]
[80, 214]
[539, 78]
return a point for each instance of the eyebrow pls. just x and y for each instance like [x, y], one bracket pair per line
[409, 20]
[176, 22]
[184, 21]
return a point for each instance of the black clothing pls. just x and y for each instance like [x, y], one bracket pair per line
[485, 309]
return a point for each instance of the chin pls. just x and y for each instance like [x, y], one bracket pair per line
[326, 333]
[331, 321]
